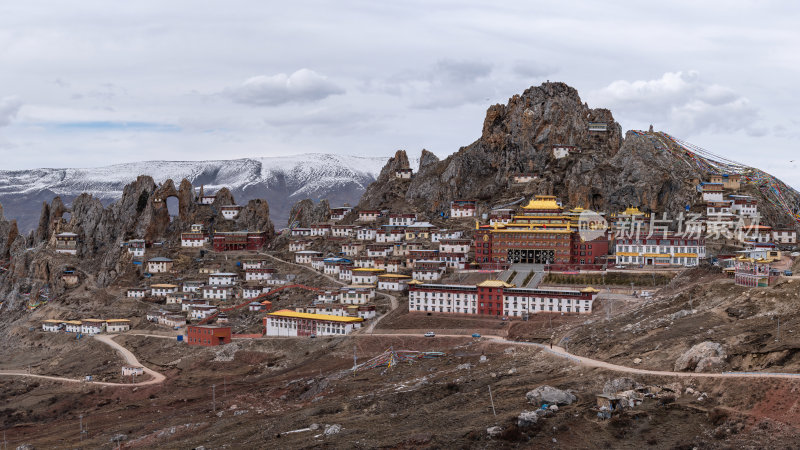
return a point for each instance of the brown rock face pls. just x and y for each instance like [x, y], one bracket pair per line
[427, 159]
[388, 191]
[305, 212]
[607, 173]
[223, 198]
[8, 234]
[255, 217]
[516, 137]
[141, 212]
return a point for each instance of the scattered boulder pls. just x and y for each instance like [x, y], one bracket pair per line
[330, 430]
[494, 431]
[637, 361]
[702, 357]
[549, 395]
[465, 366]
[679, 314]
[620, 384]
[526, 419]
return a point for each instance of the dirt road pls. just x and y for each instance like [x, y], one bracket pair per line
[589, 362]
[582, 360]
[126, 354]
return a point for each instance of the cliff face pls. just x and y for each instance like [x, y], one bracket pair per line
[255, 217]
[141, 213]
[606, 172]
[305, 212]
[388, 191]
[517, 137]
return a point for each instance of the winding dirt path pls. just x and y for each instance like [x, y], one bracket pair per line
[130, 359]
[560, 352]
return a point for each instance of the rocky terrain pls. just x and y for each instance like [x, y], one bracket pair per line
[141, 213]
[297, 393]
[701, 322]
[609, 173]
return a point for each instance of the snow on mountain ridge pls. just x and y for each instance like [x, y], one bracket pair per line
[238, 173]
[281, 180]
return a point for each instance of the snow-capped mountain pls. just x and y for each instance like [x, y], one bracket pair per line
[282, 181]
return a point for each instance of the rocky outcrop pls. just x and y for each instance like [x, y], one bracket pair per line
[549, 395]
[427, 159]
[516, 137]
[606, 172]
[141, 213]
[703, 357]
[305, 212]
[223, 197]
[255, 217]
[388, 191]
[8, 234]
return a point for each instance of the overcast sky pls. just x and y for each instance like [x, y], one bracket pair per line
[92, 83]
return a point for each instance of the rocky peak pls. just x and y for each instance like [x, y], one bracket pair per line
[223, 197]
[516, 137]
[427, 159]
[255, 217]
[388, 191]
[305, 212]
[8, 234]
[594, 167]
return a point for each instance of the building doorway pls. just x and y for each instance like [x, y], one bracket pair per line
[520, 256]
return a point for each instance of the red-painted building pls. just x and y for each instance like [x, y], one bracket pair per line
[208, 335]
[490, 297]
[239, 240]
[542, 233]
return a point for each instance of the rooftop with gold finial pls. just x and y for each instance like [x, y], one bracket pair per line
[632, 211]
[543, 202]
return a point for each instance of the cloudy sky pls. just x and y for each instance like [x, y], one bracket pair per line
[90, 83]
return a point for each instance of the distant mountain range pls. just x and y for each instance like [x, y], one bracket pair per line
[282, 181]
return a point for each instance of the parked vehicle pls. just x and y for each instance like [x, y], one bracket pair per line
[788, 273]
[313, 336]
[430, 334]
[476, 335]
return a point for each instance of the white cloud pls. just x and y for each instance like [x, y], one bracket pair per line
[448, 70]
[447, 83]
[9, 106]
[683, 103]
[304, 85]
[532, 69]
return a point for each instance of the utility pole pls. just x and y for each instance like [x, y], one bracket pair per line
[225, 386]
[81, 425]
[214, 397]
[492, 400]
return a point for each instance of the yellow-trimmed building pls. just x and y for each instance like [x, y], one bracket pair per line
[289, 323]
[540, 233]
